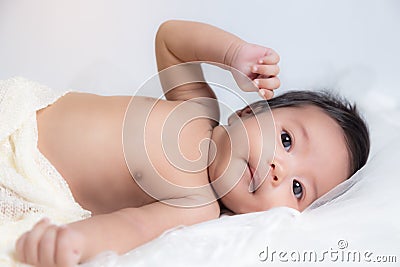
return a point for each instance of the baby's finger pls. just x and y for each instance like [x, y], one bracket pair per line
[269, 83]
[19, 247]
[271, 57]
[30, 246]
[266, 94]
[67, 256]
[266, 70]
[46, 247]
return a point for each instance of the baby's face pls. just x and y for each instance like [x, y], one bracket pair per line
[310, 159]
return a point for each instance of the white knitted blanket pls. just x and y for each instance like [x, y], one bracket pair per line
[30, 187]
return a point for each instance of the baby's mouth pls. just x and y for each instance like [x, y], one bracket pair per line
[255, 179]
[252, 185]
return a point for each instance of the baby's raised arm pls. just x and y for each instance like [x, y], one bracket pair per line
[186, 41]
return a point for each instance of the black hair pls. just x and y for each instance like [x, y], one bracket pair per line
[338, 108]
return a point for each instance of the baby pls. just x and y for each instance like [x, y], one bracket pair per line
[114, 152]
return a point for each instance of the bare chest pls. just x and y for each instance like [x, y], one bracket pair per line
[166, 147]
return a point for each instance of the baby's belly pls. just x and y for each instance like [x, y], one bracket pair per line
[81, 135]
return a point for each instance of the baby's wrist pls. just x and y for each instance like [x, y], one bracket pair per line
[233, 51]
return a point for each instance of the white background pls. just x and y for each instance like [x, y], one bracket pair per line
[107, 47]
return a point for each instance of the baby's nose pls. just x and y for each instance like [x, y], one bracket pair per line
[276, 173]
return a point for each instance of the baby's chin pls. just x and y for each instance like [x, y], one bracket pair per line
[231, 181]
[235, 205]
[239, 200]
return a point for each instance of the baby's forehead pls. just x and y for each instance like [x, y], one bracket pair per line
[305, 114]
[310, 117]
[296, 109]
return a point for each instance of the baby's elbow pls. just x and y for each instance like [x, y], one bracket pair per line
[165, 26]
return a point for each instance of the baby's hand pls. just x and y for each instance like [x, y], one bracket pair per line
[48, 245]
[260, 65]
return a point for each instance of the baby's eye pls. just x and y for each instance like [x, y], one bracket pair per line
[297, 189]
[286, 140]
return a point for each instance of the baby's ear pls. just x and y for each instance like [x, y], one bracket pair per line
[241, 113]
